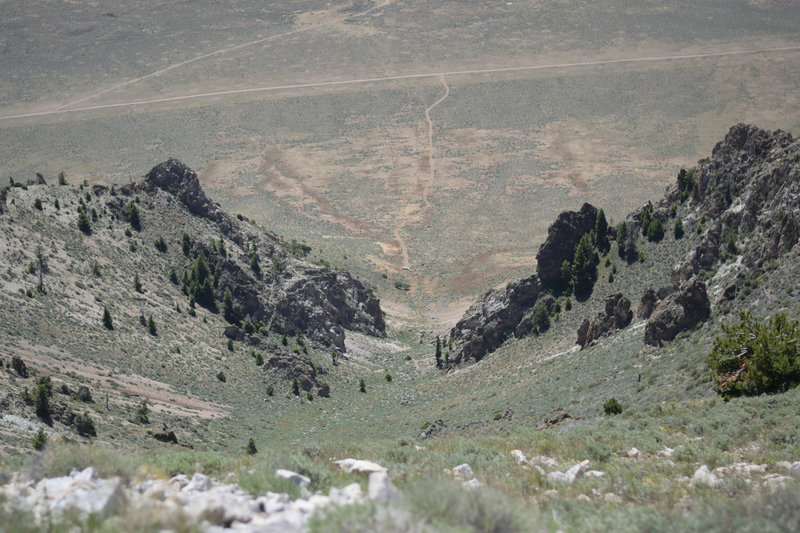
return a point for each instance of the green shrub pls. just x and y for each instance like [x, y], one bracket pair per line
[361, 385]
[151, 326]
[39, 440]
[84, 425]
[161, 244]
[295, 387]
[38, 205]
[541, 318]
[598, 451]
[221, 376]
[612, 407]
[752, 358]
[142, 413]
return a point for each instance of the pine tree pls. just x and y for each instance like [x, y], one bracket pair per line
[584, 267]
[151, 326]
[83, 222]
[137, 283]
[438, 352]
[42, 401]
[295, 387]
[251, 447]
[678, 229]
[186, 244]
[107, 319]
[361, 385]
[601, 231]
[62, 179]
[255, 265]
[133, 216]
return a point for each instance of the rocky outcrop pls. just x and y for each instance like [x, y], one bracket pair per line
[562, 237]
[749, 187]
[616, 315]
[647, 304]
[682, 310]
[295, 368]
[289, 294]
[492, 319]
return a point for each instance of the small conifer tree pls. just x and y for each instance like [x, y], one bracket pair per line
[438, 354]
[295, 387]
[251, 447]
[107, 322]
[151, 326]
[361, 385]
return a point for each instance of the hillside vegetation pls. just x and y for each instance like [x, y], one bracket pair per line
[252, 384]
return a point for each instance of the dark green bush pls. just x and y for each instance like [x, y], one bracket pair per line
[612, 407]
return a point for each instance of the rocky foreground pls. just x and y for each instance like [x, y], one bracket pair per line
[213, 506]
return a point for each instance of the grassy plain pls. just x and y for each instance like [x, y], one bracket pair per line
[347, 164]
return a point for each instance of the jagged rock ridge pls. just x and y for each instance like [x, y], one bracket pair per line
[750, 190]
[293, 294]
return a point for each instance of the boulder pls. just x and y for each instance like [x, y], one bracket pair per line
[359, 466]
[702, 476]
[380, 488]
[616, 315]
[680, 311]
[298, 479]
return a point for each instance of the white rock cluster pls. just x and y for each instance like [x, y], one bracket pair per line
[201, 500]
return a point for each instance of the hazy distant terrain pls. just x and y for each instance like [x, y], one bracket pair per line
[534, 107]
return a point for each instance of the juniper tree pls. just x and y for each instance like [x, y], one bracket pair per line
[107, 322]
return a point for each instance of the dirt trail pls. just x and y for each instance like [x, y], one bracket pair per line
[223, 51]
[431, 164]
[399, 77]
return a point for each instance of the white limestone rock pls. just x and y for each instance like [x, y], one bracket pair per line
[298, 479]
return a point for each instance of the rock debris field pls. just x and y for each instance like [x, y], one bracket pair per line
[216, 506]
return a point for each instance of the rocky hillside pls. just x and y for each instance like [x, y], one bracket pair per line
[741, 205]
[150, 291]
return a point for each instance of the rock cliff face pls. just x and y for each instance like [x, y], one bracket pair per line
[562, 237]
[748, 197]
[492, 319]
[749, 187]
[616, 315]
[288, 293]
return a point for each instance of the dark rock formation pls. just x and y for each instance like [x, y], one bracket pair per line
[647, 304]
[295, 368]
[166, 435]
[680, 311]
[749, 186]
[616, 315]
[555, 418]
[437, 428]
[492, 319]
[562, 237]
[291, 295]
